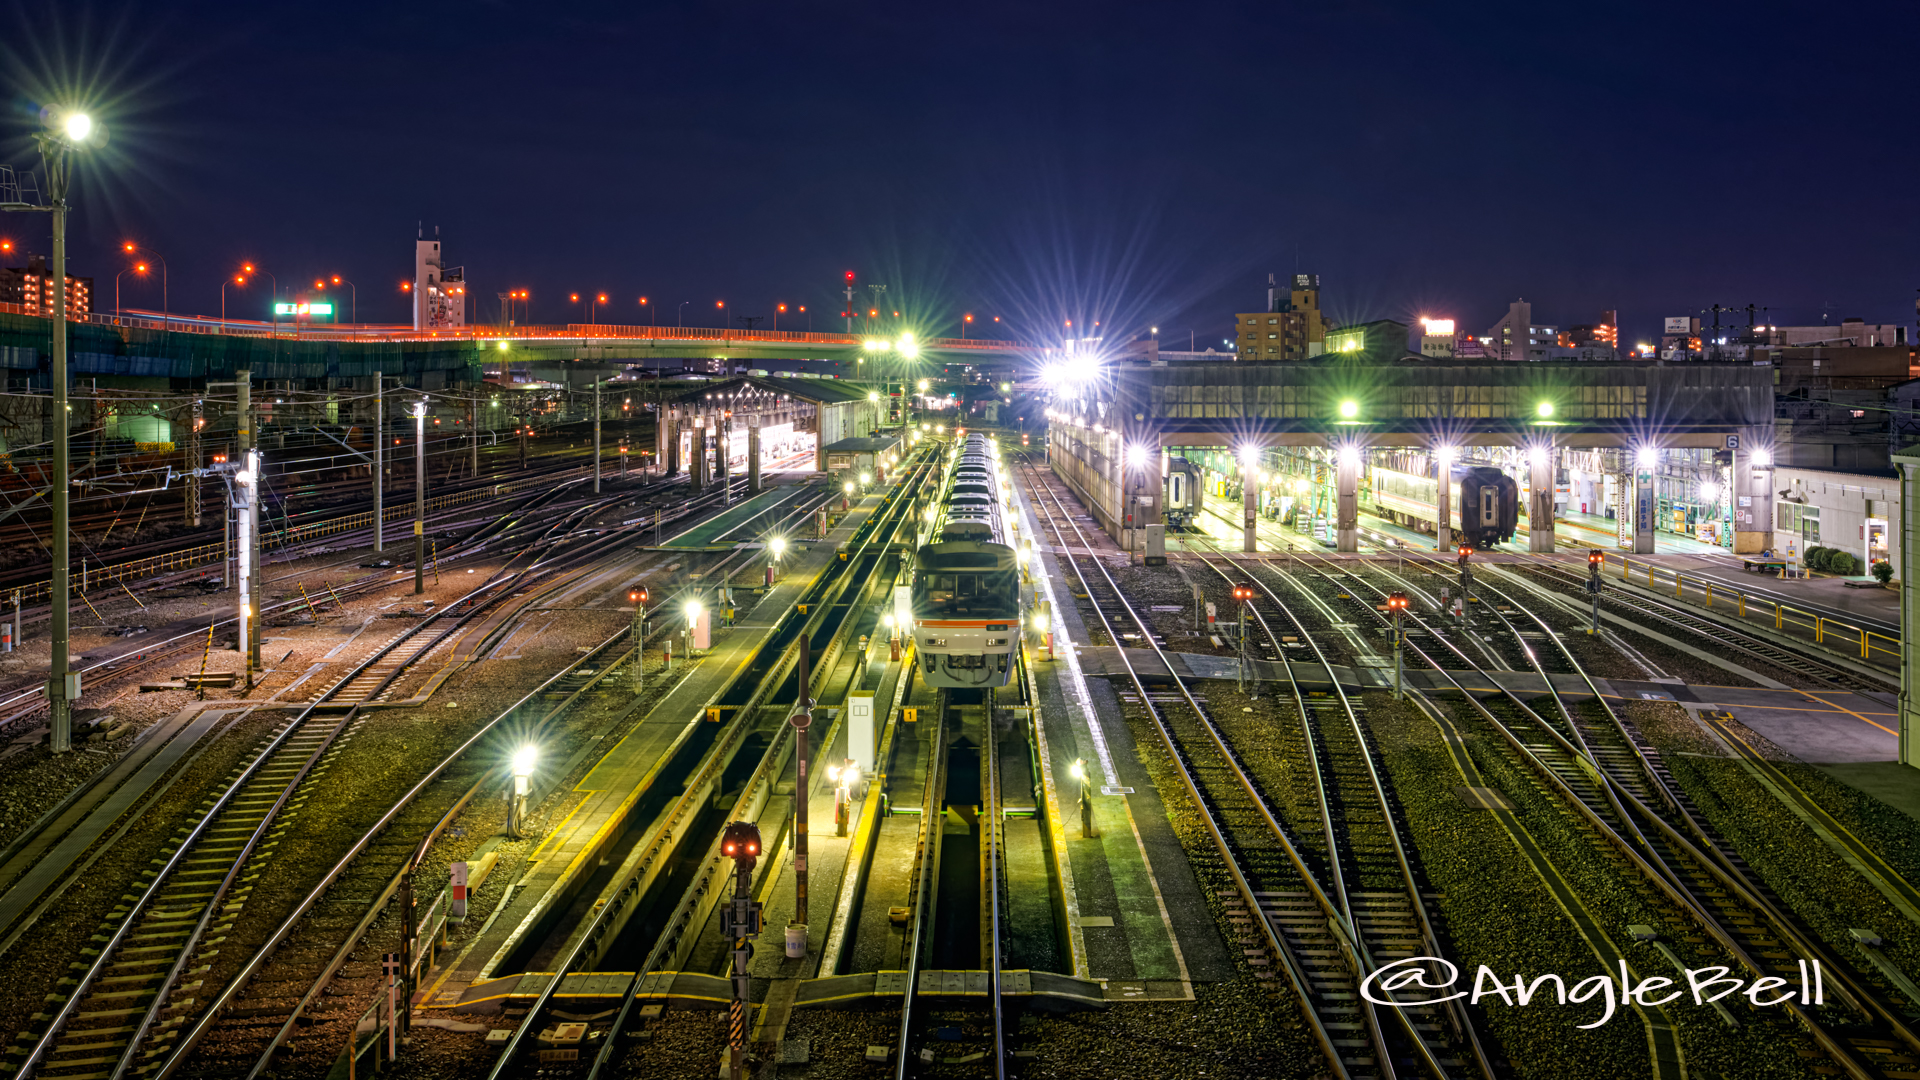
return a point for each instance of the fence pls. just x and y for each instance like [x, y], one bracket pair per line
[374, 1037]
[1831, 634]
[279, 539]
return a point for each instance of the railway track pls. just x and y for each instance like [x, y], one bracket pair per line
[1765, 654]
[1261, 882]
[1371, 878]
[1622, 795]
[124, 1012]
[758, 683]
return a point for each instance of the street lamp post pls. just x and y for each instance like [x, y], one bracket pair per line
[523, 761]
[166, 311]
[776, 547]
[69, 132]
[1087, 830]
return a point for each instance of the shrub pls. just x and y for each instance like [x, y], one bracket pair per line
[1816, 558]
[1845, 563]
[1883, 571]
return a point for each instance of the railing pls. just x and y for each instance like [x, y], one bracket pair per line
[89, 577]
[714, 335]
[374, 1038]
[1831, 634]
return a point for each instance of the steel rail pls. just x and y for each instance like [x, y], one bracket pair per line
[1377, 785]
[681, 916]
[496, 584]
[1651, 865]
[374, 910]
[836, 579]
[995, 831]
[925, 898]
[1296, 975]
[1703, 845]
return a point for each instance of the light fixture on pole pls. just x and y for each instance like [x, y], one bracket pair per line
[523, 762]
[131, 248]
[1087, 830]
[67, 130]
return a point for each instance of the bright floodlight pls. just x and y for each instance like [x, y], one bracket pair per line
[523, 759]
[873, 395]
[1646, 456]
[78, 126]
[887, 620]
[866, 478]
[1443, 454]
[1349, 409]
[1249, 456]
[1538, 455]
[1137, 456]
[923, 385]
[908, 347]
[1709, 492]
[777, 545]
[847, 487]
[876, 345]
[1349, 455]
[1079, 769]
[1762, 459]
[693, 610]
[1039, 624]
[1544, 409]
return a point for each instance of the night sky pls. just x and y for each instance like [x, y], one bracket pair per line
[1135, 164]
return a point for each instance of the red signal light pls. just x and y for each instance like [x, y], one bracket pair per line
[849, 277]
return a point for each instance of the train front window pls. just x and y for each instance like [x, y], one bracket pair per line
[988, 594]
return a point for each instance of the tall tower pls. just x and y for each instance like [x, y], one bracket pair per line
[439, 291]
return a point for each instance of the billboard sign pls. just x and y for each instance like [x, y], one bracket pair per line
[1679, 325]
[303, 308]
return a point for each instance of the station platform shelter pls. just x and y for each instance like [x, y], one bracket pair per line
[1680, 452]
[761, 424]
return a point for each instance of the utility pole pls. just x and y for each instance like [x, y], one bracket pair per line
[379, 462]
[194, 462]
[596, 436]
[473, 434]
[245, 494]
[419, 497]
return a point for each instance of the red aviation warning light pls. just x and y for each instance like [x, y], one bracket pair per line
[849, 277]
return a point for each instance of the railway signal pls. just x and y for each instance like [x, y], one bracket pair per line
[1466, 578]
[638, 598]
[740, 921]
[1397, 604]
[1595, 560]
[1243, 596]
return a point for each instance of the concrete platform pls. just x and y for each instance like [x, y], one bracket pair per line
[1045, 991]
[592, 991]
[602, 803]
[712, 534]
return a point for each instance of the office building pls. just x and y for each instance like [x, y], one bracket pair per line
[1291, 328]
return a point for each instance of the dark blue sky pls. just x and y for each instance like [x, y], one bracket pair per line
[1133, 163]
